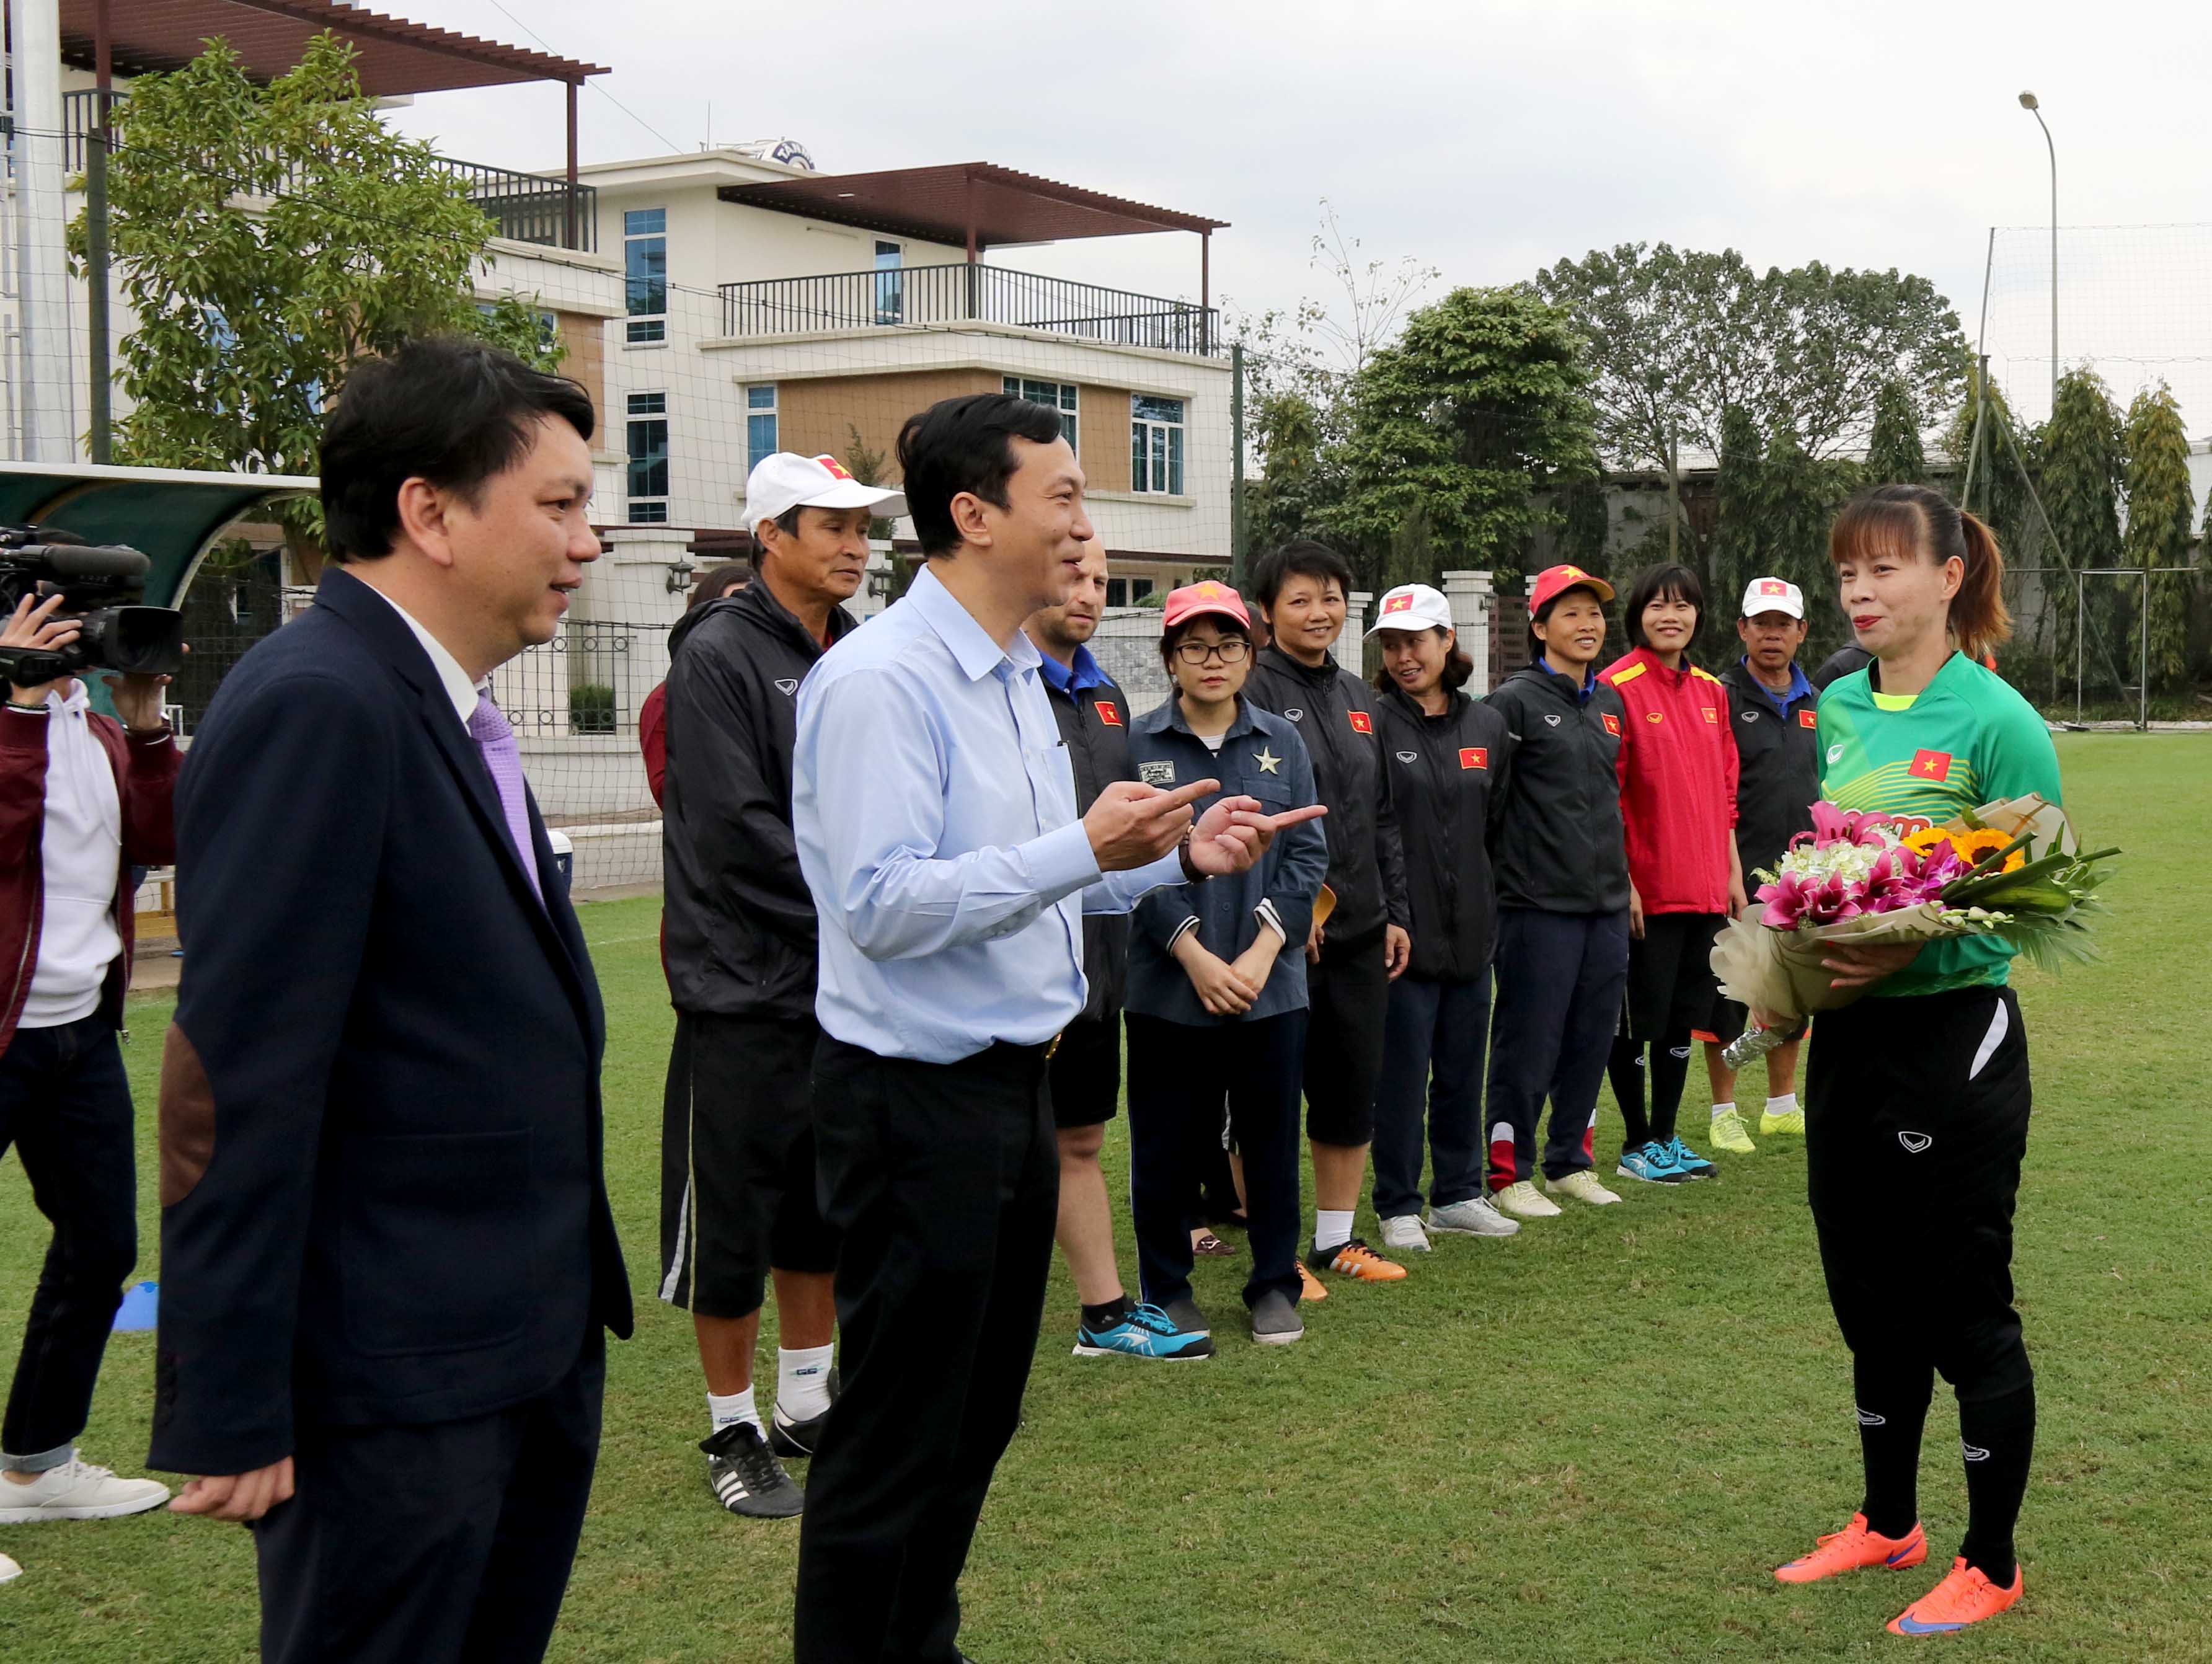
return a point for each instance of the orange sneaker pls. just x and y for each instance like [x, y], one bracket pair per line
[1310, 1287]
[1361, 1263]
[1966, 1596]
[1853, 1549]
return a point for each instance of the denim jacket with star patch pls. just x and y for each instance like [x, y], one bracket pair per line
[1261, 756]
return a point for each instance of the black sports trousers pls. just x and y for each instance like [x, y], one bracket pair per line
[945, 1179]
[1560, 978]
[1348, 994]
[1915, 1121]
[1431, 1093]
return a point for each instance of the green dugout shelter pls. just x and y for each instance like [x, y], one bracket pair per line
[170, 515]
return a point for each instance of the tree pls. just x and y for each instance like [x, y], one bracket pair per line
[2082, 468]
[268, 239]
[1479, 404]
[1894, 453]
[1679, 338]
[2160, 507]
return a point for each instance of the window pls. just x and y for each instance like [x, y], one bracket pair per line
[1156, 444]
[645, 273]
[891, 288]
[1127, 592]
[648, 458]
[1053, 396]
[760, 426]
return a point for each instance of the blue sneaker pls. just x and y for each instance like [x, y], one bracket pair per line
[1654, 1163]
[1142, 1332]
[1689, 1163]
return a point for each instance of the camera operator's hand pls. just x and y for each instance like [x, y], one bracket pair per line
[35, 626]
[137, 700]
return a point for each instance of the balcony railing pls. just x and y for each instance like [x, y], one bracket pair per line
[523, 208]
[925, 296]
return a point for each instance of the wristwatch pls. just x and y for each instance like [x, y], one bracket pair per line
[1190, 873]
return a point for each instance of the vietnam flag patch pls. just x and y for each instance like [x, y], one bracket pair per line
[1107, 713]
[1612, 724]
[1931, 765]
[1474, 757]
[1807, 719]
[1711, 714]
[1361, 722]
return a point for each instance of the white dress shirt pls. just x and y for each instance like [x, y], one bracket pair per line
[82, 850]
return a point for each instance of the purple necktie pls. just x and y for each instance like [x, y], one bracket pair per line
[487, 727]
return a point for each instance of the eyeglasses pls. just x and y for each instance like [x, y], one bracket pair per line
[1230, 651]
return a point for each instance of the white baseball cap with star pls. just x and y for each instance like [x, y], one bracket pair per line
[786, 481]
[1773, 595]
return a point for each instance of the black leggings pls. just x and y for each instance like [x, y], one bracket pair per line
[1916, 1123]
[1670, 1072]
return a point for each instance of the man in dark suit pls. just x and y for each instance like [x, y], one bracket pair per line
[387, 1257]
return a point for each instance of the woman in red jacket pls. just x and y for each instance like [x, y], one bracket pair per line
[1678, 777]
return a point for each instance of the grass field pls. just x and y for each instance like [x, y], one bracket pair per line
[1588, 1442]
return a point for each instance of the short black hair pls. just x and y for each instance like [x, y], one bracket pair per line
[1301, 557]
[451, 410]
[964, 445]
[1668, 578]
[1171, 637]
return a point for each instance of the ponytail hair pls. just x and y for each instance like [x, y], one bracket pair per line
[1923, 524]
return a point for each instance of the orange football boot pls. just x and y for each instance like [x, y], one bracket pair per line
[1361, 1263]
[1964, 1597]
[1310, 1287]
[1854, 1548]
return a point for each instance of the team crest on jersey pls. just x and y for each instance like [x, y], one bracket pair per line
[1806, 720]
[1160, 773]
[1361, 722]
[1409, 757]
[1612, 724]
[1552, 716]
[1474, 757]
[786, 685]
[1654, 717]
[1751, 716]
[1107, 715]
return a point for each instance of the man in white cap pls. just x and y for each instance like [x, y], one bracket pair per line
[738, 1192]
[1778, 778]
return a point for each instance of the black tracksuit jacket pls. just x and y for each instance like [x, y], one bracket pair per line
[740, 933]
[1450, 777]
[1094, 726]
[1777, 781]
[1335, 715]
[1560, 848]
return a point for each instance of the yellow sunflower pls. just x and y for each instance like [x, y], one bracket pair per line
[1972, 846]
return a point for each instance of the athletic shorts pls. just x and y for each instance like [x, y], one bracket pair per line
[1726, 1020]
[1350, 997]
[738, 1192]
[1085, 1073]
[1670, 975]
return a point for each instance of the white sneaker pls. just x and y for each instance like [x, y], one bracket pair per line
[1583, 1187]
[1474, 1217]
[1522, 1200]
[8, 1569]
[1404, 1231]
[77, 1490]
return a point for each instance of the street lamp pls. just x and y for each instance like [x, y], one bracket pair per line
[2027, 103]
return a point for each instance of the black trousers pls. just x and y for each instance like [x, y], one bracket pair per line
[1559, 981]
[944, 1181]
[1347, 994]
[443, 1543]
[66, 1107]
[1434, 1039]
[1915, 1121]
[1178, 1074]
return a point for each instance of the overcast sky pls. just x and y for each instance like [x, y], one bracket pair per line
[1486, 139]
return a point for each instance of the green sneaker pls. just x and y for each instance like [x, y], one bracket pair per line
[1790, 1120]
[1728, 1134]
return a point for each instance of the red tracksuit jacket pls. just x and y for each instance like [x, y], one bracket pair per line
[1678, 770]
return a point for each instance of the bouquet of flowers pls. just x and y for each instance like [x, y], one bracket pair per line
[2009, 870]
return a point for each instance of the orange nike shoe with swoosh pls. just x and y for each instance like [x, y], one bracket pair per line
[1853, 1549]
[1362, 1263]
[1964, 1597]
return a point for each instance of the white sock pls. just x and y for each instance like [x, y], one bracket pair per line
[1332, 1228]
[1784, 1105]
[723, 1408]
[802, 1382]
[1720, 1109]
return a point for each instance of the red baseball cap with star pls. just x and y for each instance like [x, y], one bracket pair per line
[1554, 581]
[1195, 599]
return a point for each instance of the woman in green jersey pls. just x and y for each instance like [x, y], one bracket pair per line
[1918, 1095]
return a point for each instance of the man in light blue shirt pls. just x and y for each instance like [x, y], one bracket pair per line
[934, 810]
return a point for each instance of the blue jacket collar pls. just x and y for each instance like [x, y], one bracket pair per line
[1167, 717]
[1801, 686]
[1071, 678]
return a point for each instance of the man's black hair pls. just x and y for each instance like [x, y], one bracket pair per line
[1301, 558]
[452, 411]
[1668, 578]
[964, 445]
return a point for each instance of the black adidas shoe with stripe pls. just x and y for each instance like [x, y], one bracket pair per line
[745, 1477]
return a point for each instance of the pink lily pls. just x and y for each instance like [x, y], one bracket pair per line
[1834, 825]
